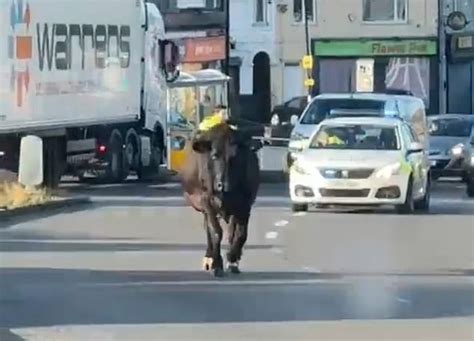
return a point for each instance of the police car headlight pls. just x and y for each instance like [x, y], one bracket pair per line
[388, 171]
[301, 167]
[297, 145]
[457, 150]
[297, 136]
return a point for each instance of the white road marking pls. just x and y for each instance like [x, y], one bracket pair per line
[276, 250]
[271, 235]
[218, 282]
[402, 300]
[281, 223]
[311, 269]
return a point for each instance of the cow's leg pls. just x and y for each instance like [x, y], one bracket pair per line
[238, 242]
[207, 260]
[231, 230]
[215, 232]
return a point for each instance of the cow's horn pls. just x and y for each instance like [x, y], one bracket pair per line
[233, 127]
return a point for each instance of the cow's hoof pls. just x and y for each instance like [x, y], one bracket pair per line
[233, 268]
[218, 272]
[207, 263]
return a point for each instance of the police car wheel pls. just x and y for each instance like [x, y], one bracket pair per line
[424, 203]
[408, 206]
[299, 207]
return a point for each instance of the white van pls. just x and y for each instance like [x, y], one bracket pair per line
[410, 108]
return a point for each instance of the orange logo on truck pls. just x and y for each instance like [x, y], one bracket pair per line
[20, 46]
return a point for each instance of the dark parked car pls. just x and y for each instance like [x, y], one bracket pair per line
[282, 113]
[280, 123]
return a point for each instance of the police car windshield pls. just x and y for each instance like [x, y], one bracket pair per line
[356, 137]
[319, 109]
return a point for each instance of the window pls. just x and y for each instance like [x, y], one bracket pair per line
[261, 12]
[406, 136]
[356, 137]
[175, 5]
[385, 10]
[413, 135]
[299, 8]
[319, 109]
[295, 103]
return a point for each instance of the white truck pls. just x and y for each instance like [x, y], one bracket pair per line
[88, 77]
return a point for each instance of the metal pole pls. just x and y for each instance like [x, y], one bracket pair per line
[307, 42]
[227, 55]
[442, 89]
[227, 36]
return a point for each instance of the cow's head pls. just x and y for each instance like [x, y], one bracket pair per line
[217, 148]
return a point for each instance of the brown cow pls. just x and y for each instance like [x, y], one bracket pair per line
[221, 180]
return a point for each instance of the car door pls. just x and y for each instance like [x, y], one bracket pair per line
[294, 107]
[418, 162]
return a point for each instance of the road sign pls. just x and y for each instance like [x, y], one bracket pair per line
[309, 82]
[307, 62]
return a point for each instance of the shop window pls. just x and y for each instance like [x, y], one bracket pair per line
[261, 12]
[337, 75]
[410, 73]
[302, 6]
[385, 10]
[188, 4]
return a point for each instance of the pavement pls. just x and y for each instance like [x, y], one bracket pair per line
[127, 267]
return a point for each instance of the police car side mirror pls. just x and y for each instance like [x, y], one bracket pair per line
[415, 147]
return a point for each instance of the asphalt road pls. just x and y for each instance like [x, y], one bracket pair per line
[127, 267]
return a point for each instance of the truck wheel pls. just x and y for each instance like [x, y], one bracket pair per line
[54, 159]
[152, 171]
[132, 151]
[424, 203]
[115, 168]
[299, 208]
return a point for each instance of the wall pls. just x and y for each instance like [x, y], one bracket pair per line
[332, 21]
[250, 39]
[459, 90]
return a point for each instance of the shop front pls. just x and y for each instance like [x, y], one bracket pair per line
[377, 65]
[199, 53]
[460, 82]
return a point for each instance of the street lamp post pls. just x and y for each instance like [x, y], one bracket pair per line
[309, 71]
[227, 36]
[226, 4]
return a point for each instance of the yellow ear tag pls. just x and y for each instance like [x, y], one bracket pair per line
[210, 122]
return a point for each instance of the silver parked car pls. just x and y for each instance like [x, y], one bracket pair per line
[469, 163]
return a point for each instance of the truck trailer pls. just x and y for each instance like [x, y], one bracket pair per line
[89, 78]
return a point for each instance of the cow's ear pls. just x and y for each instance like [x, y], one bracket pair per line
[201, 144]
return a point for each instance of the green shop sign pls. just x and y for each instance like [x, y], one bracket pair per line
[366, 48]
